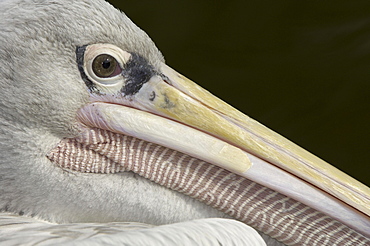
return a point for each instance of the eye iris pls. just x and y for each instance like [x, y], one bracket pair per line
[104, 66]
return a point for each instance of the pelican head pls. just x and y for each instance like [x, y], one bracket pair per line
[95, 127]
[50, 92]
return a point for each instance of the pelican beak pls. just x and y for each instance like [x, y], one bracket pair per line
[172, 111]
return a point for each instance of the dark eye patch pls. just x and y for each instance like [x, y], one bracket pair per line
[136, 72]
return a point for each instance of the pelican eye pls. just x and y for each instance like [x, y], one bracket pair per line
[102, 67]
[106, 66]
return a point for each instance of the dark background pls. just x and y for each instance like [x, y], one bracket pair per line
[302, 68]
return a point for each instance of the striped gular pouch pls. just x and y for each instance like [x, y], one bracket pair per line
[289, 221]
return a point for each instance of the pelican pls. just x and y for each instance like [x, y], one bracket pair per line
[102, 143]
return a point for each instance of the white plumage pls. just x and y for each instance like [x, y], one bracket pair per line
[17, 230]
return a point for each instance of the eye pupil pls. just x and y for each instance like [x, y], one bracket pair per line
[105, 66]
